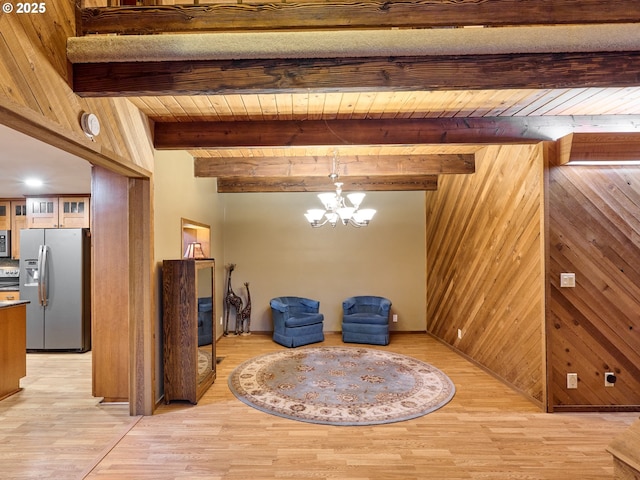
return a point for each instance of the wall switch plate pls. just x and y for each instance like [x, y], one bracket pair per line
[572, 380]
[567, 280]
[220, 320]
[607, 383]
[395, 317]
[459, 333]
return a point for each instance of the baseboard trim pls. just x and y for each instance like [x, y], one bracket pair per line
[596, 408]
[536, 402]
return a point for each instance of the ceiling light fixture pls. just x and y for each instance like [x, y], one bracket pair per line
[336, 208]
[33, 182]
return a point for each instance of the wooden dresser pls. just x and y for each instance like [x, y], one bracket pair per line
[189, 358]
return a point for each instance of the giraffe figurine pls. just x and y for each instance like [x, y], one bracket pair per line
[245, 314]
[231, 300]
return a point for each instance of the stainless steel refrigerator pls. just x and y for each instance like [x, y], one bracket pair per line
[55, 278]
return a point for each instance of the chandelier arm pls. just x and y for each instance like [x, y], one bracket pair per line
[357, 224]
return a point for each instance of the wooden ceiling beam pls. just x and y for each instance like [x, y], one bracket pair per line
[475, 131]
[386, 183]
[363, 14]
[325, 75]
[594, 148]
[292, 133]
[315, 166]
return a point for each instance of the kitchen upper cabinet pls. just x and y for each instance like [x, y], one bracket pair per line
[58, 212]
[73, 212]
[18, 222]
[5, 215]
[42, 212]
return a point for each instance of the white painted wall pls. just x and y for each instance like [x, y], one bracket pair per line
[178, 194]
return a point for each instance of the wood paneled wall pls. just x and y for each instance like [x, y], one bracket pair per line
[485, 265]
[594, 232]
[34, 76]
[36, 99]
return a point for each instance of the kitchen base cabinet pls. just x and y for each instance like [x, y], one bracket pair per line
[9, 295]
[13, 347]
[189, 356]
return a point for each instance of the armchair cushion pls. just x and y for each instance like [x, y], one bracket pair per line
[296, 321]
[302, 319]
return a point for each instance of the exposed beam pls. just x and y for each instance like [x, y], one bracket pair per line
[313, 166]
[599, 147]
[363, 14]
[350, 43]
[290, 133]
[460, 72]
[319, 184]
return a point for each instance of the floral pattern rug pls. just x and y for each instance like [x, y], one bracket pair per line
[341, 385]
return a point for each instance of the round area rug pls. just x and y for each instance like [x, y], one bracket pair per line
[341, 385]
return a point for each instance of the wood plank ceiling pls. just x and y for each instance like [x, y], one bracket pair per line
[394, 122]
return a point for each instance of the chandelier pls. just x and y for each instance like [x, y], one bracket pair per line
[337, 208]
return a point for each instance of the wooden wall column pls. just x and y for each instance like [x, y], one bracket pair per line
[141, 301]
[122, 304]
[110, 285]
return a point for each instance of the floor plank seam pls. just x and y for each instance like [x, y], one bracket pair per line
[109, 447]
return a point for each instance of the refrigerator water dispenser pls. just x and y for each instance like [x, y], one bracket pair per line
[31, 271]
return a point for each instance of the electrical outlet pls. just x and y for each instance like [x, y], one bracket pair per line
[607, 380]
[459, 333]
[395, 317]
[567, 280]
[572, 380]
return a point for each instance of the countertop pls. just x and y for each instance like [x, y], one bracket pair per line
[13, 303]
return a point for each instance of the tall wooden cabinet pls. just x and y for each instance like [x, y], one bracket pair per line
[189, 353]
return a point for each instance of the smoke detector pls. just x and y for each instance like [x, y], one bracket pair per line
[90, 125]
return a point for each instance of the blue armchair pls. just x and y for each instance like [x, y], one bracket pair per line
[365, 319]
[296, 321]
[205, 321]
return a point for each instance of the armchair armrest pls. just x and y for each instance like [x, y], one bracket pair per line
[348, 304]
[279, 306]
[311, 306]
[385, 306]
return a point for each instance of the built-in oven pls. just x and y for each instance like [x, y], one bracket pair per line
[5, 243]
[9, 279]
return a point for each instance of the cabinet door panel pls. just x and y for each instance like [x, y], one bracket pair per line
[5, 215]
[73, 212]
[18, 222]
[42, 212]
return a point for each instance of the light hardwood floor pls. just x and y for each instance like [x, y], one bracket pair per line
[54, 429]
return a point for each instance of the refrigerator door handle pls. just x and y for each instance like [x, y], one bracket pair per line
[43, 293]
[39, 271]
